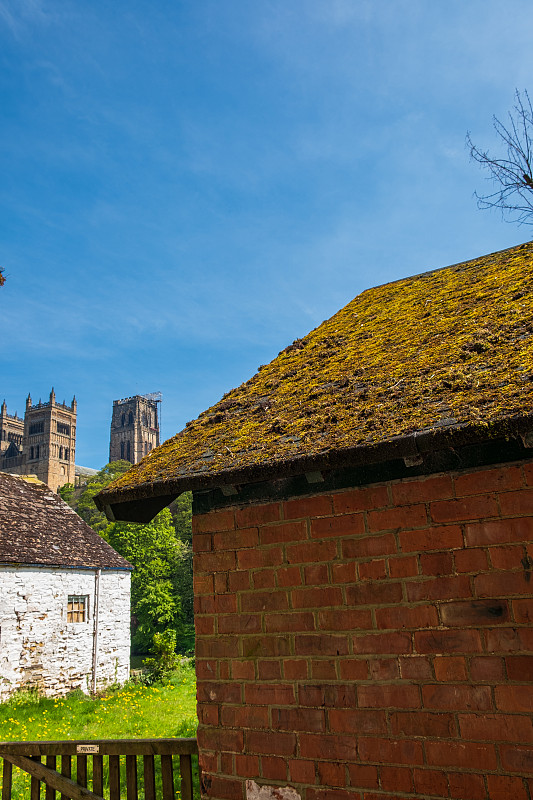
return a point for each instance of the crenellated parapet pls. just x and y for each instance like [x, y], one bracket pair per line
[43, 442]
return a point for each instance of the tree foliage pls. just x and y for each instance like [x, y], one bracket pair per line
[181, 510]
[66, 492]
[161, 555]
[164, 660]
[83, 502]
[155, 552]
[512, 174]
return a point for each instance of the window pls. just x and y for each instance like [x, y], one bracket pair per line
[37, 427]
[37, 450]
[128, 451]
[130, 418]
[60, 451]
[31, 453]
[122, 445]
[123, 420]
[64, 429]
[77, 608]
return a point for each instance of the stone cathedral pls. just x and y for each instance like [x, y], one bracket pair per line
[134, 428]
[43, 443]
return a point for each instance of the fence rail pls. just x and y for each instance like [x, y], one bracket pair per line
[155, 778]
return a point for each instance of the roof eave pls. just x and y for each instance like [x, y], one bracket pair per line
[141, 503]
[58, 565]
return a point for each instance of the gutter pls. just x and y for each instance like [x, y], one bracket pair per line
[97, 575]
[74, 567]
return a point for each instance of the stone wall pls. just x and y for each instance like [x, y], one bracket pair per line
[39, 648]
[371, 643]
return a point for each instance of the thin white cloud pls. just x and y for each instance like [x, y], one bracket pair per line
[17, 15]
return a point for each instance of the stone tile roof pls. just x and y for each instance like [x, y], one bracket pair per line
[38, 527]
[445, 350]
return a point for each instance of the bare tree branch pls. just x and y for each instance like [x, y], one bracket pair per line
[513, 176]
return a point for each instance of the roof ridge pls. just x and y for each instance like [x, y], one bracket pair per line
[448, 266]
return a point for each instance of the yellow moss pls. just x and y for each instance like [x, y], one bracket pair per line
[449, 347]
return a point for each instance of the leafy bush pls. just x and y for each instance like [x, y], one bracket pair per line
[66, 492]
[164, 660]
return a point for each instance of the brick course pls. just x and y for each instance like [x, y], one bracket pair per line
[370, 643]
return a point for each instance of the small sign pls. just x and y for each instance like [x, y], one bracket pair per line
[87, 748]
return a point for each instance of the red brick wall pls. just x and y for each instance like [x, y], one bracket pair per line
[372, 643]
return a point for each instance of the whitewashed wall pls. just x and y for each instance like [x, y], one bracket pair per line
[39, 648]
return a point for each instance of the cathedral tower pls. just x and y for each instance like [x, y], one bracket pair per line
[11, 432]
[43, 444]
[50, 441]
[134, 427]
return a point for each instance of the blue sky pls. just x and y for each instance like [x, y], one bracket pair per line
[187, 186]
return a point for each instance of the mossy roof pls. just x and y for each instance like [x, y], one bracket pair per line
[447, 348]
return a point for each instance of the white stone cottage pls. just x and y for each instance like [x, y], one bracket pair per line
[64, 596]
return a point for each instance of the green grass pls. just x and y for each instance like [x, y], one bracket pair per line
[131, 712]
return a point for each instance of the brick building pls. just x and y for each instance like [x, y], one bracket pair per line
[363, 520]
[41, 444]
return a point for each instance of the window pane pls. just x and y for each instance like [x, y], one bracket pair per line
[77, 608]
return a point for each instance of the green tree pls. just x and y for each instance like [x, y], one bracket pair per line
[82, 501]
[164, 660]
[66, 492]
[155, 552]
[161, 554]
[157, 612]
[181, 510]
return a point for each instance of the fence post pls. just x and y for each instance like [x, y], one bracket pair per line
[149, 778]
[131, 777]
[66, 770]
[50, 793]
[98, 775]
[6, 780]
[114, 777]
[167, 777]
[35, 784]
[186, 777]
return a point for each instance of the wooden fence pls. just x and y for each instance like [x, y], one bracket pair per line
[98, 763]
